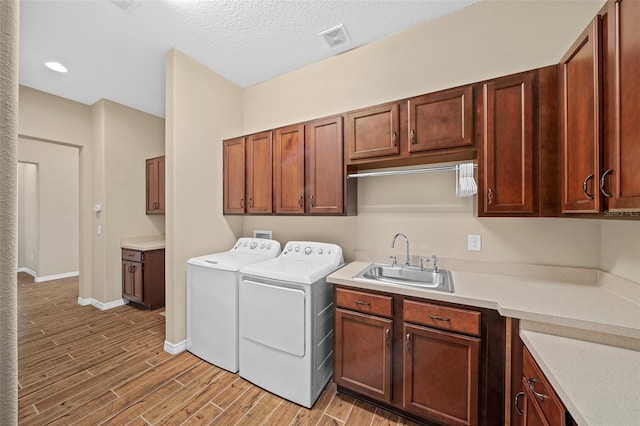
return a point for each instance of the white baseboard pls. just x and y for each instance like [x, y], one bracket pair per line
[28, 271]
[175, 349]
[57, 276]
[100, 305]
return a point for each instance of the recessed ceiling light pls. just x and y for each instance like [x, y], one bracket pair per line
[56, 66]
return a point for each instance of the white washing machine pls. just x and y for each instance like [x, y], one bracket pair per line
[212, 300]
[286, 321]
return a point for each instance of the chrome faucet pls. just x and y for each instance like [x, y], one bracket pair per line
[393, 243]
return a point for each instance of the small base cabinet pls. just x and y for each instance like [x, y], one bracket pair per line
[143, 277]
[433, 362]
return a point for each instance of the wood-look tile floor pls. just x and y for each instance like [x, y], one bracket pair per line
[80, 365]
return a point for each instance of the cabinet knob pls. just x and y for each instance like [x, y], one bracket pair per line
[584, 187]
[394, 138]
[531, 384]
[602, 179]
[312, 201]
[250, 202]
[387, 337]
[242, 203]
[489, 196]
[408, 342]
[300, 201]
[412, 137]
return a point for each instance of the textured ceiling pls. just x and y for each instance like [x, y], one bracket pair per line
[120, 55]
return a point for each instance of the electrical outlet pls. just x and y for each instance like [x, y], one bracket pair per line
[474, 243]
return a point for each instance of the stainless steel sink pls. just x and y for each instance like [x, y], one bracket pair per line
[408, 275]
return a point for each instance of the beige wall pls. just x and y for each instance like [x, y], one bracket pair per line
[113, 142]
[486, 40]
[57, 214]
[620, 248]
[202, 109]
[28, 216]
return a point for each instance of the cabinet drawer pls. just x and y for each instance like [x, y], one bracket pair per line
[364, 302]
[540, 392]
[132, 255]
[442, 317]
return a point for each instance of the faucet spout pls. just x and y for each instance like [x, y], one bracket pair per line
[393, 243]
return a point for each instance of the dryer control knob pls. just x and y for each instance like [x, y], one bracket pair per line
[253, 245]
[297, 249]
[269, 246]
[320, 251]
[262, 245]
[289, 248]
[308, 250]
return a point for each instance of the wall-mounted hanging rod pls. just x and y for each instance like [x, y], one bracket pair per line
[442, 168]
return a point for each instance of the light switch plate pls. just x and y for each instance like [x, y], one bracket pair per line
[474, 243]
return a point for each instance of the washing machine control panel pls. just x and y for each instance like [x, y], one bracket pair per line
[311, 250]
[257, 246]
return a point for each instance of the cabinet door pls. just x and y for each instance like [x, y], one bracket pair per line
[259, 165]
[288, 164]
[325, 169]
[362, 361]
[132, 280]
[441, 375]
[580, 123]
[623, 154]
[374, 132]
[531, 415]
[233, 166]
[441, 120]
[507, 163]
[155, 185]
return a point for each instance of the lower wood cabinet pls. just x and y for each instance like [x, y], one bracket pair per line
[426, 360]
[143, 277]
[538, 403]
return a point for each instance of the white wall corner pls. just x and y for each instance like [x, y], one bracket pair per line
[56, 276]
[175, 348]
[100, 305]
[29, 271]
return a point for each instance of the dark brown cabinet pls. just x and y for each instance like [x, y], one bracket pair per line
[420, 358]
[538, 403]
[620, 181]
[247, 174]
[374, 132]
[581, 122]
[143, 278]
[517, 160]
[432, 127]
[441, 120]
[288, 164]
[155, 185]
[233, 165]
[363, 341]
[325, 173]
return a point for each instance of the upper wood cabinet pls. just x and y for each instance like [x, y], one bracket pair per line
[517, 161]
[581, 122]
[288, 163]
[309, 171]
[620, 182]
[374, 132]
[259, 175]
[441, 120]
[247, 174]
[155, 185]
[325, 173]
[233, 164]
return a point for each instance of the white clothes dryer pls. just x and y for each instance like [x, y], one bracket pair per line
[212, 300]
[286, 321]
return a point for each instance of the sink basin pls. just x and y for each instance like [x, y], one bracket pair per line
[408, 275]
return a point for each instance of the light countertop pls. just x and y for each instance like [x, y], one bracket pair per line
[588, 307]
[599, 384]
[146, 243]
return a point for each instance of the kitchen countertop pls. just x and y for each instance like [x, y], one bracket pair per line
[588, 307]
[598, 384]
[151, 242]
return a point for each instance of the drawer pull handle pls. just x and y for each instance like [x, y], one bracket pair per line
[387, 337]
[515, 402]
[131, 255]
[602, 182]
[360, 302]
[438, 318]
[585, 184]
[408, 342]
[531, 383]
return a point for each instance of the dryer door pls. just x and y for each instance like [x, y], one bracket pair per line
[273, 316]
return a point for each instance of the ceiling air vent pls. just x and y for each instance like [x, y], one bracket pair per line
[126, 5]
[335, 36]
